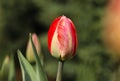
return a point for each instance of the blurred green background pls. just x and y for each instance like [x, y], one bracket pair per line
[20, 17]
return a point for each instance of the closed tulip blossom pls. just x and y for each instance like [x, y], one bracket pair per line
[112, 27]
[29, 50]
[62, 38]
[5, 66]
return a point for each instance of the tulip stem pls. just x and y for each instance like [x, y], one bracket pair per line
[60, 70]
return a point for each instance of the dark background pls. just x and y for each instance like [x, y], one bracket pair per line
[18, 18]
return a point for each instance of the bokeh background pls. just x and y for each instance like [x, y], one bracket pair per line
[18, 18]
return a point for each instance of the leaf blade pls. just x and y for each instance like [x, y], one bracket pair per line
[28, 73]
[11, 76]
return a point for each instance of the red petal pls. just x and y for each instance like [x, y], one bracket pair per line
[51, 31]
[62, 33]
[74, 36]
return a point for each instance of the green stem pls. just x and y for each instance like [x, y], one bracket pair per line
[60, 70]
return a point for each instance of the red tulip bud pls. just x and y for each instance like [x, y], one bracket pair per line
[112, 27]
[62, 38]
[29, 50]
[5, 66]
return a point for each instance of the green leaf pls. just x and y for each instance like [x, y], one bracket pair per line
[41, 76]
[28, 73]
[11, 76]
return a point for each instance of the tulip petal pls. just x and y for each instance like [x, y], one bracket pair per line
[74, 37]
[52, 31]
[62, 35]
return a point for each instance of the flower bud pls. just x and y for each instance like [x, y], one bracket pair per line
[62, 38]
[29, 50]
[111, 31]
[5, 66]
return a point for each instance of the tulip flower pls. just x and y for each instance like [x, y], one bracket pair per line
[62, 38]
[5, 66]
[29, 50]
[112, 27]
[62, 41]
